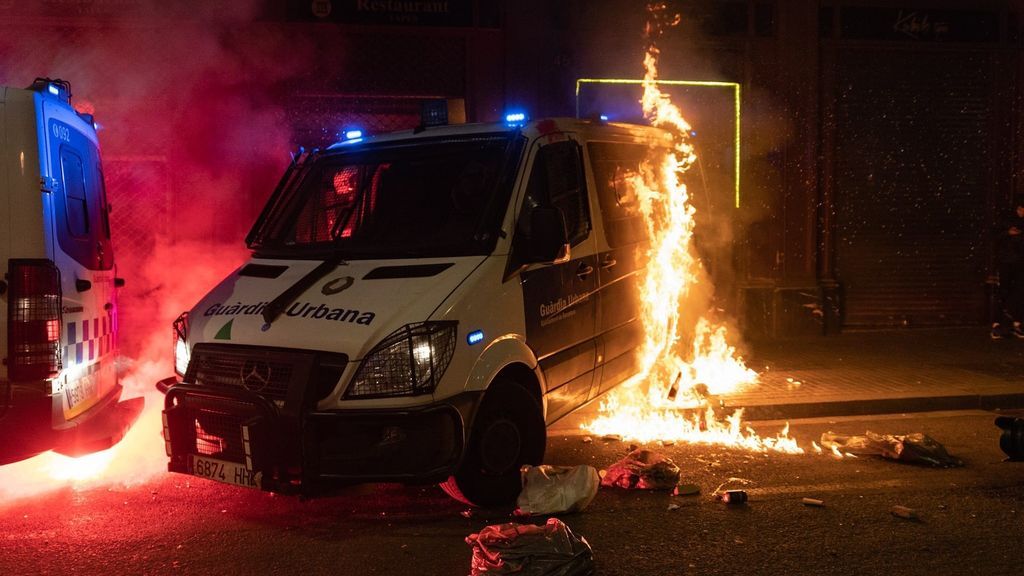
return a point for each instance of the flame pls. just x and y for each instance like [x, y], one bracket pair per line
[136, 459]
[685, 357]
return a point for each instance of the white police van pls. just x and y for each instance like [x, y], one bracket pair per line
[418, 306]
[58, 322]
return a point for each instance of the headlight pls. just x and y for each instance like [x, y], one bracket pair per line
[409, 361]
[181, 351]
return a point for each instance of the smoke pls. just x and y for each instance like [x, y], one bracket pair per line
[189, 99]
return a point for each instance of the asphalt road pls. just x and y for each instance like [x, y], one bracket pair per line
[971, 519]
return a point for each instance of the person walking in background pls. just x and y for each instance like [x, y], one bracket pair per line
[1010, 260]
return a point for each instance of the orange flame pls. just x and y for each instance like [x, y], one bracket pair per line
[671, 309]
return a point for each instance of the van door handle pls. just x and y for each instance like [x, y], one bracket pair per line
[584, 270]
[608, 263]
[82, 285]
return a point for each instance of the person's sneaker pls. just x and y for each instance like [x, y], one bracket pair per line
[1017, 331]
[997, 333]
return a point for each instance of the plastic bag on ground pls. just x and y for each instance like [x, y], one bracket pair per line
[915, 448]
[527, 550]
[644, 470]
[556, 489]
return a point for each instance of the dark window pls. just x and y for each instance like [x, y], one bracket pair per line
[75, 198]
[79, 201]
[617, 170]
[826, 27]
[428, 198]
[557, 180]
[726, 19]
[764, 19]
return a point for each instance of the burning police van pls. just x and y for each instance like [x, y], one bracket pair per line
[418, 306]
[58, 322]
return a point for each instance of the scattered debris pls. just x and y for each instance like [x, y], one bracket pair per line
[734, 497]
[644, 470]
[686, 490]
[527, 550]
[672, 507]
[1012, 439]
[904, 512]
[740, 481]
[612, 437]
[587, 439]
[813, 502]
[556, 489]
[466, 513]
[915, 448]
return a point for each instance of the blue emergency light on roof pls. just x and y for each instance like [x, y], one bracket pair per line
[353, 134]
[475, 337]
[53, 90]
[515, 118]
[604, 118]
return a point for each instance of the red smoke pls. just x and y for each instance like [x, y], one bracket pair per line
[194, 136]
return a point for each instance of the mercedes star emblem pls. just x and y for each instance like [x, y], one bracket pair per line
[255, 375]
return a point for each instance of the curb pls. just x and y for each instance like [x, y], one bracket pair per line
[871, 406]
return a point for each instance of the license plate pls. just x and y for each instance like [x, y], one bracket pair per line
[80, 390]
[224, 471]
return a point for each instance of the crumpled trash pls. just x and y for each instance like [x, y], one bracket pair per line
[644, 470]
[528, 550]
[555, 489]
[915, 448]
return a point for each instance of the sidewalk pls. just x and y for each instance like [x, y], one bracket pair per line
[883, 372]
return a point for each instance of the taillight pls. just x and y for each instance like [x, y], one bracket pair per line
[34, 320]
[181, 351]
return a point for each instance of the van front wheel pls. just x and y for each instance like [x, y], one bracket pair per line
[507, 433]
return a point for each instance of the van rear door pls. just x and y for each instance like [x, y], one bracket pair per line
[79, 244]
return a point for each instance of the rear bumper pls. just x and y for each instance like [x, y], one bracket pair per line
[314, 450]
[27, 425]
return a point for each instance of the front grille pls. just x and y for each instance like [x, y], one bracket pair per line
[219, 435]
[266, 372]
[216, 430]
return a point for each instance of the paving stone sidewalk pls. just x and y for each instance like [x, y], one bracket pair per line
[884, 372]
[873, 372]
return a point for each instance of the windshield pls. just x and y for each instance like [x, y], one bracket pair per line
[414, 199]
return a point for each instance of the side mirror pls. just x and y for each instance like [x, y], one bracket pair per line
[548, 241]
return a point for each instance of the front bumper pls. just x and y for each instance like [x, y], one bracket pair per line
[310, 451]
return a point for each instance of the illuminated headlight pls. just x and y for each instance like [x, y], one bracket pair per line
[181, 350]
[410, 361]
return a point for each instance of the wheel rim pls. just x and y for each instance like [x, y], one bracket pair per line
[500, 447]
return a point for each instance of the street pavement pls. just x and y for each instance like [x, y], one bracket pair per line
[967, 520]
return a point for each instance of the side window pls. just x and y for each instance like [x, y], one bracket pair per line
[557, 180]
[80, 206]
[616, 168]
[77, 215]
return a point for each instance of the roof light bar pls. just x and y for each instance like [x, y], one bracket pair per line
[515, 118]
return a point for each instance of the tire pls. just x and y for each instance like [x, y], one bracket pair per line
[507, 433]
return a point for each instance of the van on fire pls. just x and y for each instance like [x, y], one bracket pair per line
[58, 323]
[418, 306]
